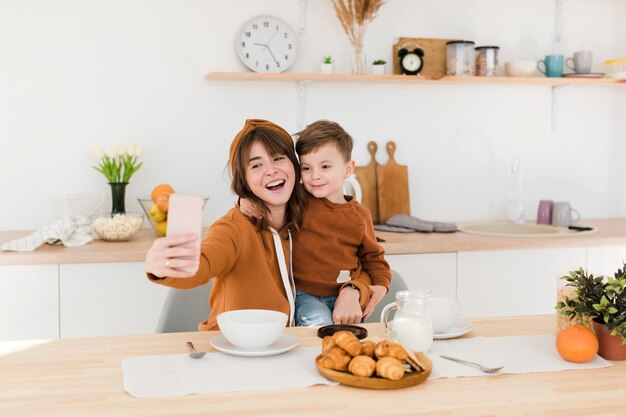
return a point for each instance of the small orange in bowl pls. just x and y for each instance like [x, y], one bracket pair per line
[577, 343]
[161, 188]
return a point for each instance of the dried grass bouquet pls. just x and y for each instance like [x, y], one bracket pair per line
[355, 16]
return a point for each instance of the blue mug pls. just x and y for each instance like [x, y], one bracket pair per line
[553, 66]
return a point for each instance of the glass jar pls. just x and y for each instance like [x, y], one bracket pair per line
[411, 325]
[486, 60]
[460, 58]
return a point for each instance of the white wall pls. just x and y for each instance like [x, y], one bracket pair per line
[79, 73]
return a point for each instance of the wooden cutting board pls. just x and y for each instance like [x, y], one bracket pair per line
[393, 187]
[366, 176]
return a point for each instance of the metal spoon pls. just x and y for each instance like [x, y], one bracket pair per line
[196, 354]
[474, 364]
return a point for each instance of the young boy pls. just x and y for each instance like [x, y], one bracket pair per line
[335, 249]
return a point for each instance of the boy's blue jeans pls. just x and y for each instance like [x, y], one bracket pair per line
[312, 310]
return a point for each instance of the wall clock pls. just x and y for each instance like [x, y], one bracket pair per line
[267, 44]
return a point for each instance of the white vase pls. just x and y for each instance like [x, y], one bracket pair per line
[379, 69]
[327, 68]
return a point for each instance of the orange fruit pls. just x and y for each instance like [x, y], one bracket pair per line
[161, 188]
[577, 344]
[163, 201]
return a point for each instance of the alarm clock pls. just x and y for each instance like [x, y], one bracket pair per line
[411, 63]
[266, 44]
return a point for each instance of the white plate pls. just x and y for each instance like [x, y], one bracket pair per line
[284, 343]
[457, 329]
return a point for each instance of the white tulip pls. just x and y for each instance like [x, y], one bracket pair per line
[98, 152]
[121, 151]
[131, 150]
[111, 151]
[137, 151]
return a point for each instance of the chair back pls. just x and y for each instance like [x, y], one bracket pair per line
[184, 309]
[397, 284]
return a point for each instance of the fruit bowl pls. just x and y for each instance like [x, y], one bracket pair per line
[156, 216]
[117, 227]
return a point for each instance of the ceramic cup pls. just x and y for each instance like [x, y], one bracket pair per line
[544, 212]
[580, 63]
[562, 214]
[552, 66]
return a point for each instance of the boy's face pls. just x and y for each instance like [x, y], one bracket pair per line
[323, 172]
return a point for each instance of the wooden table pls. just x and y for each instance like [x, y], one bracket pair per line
[83, 377]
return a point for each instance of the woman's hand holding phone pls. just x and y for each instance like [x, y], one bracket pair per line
[170, 257]
[178, 254]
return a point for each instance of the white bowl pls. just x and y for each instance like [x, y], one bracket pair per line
[117, 227]
[252, 329]
[520, 68]
[444, 312]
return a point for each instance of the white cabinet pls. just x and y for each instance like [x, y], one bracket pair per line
[513, 282]
[29, 302]
[435, 271]
[605, 260]
[108, 299]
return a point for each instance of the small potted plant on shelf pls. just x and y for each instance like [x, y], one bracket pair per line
[602, 301]
[327, 65]
[379, 66]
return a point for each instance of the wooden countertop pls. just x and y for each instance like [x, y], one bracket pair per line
[83, 377]
[611, 232]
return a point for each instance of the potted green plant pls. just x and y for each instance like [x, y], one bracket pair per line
[601, 300]
[327, 66]
[379, 66]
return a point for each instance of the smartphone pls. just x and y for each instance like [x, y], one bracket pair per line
[184, 217]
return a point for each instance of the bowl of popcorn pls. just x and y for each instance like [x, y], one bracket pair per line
[117, 227]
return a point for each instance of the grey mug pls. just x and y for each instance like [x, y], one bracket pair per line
[562, 214]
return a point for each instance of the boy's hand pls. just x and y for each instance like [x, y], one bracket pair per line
[249, 209]
[378, 292]
[347, 309]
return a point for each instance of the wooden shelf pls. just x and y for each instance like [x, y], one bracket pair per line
[369, 78]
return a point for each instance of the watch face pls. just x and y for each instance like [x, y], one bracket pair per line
[411, 62]
[267, 44]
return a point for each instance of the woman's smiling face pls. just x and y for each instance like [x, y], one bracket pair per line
[270, 178]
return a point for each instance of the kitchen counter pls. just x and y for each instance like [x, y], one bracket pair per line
[611, 232]
[83, 377]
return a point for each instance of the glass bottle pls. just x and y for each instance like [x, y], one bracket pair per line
[411, 325]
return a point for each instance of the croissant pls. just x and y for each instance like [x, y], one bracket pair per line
[348, 341]
[367, 348]
[389, 348]
[390, 368]
[362, 366]
[327, 343]
[336, 358]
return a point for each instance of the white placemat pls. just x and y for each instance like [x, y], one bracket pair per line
[518, 354]
[175, 375]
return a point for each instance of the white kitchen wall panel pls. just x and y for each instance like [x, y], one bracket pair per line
[108, 300]
[435, 271]
[513, 282]
[29, 302]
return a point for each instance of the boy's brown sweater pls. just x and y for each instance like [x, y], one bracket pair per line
[336, 237]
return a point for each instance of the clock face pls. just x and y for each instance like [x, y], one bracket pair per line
[267, 44]
[411, 62]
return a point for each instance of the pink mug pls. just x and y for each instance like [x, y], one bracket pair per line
[544, 212]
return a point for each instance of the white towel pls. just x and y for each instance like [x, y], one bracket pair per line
[71, 231]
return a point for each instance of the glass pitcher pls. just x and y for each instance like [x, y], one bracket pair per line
[411, 324]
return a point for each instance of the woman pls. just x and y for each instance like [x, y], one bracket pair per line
[249, 259]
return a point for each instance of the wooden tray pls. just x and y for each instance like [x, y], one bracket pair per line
[374, 382]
